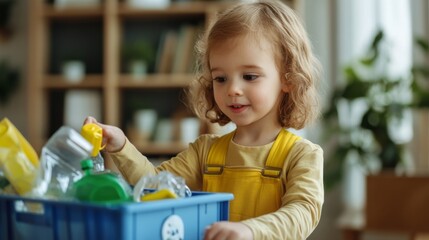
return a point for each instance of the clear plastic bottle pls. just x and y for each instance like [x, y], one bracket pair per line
[94, 134]
[60, 163]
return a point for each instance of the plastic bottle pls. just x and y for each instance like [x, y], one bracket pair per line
[101, 187]
[60, 163]
[94, 134]
[18, 160]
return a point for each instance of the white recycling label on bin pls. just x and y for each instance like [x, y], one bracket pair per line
[173, 228]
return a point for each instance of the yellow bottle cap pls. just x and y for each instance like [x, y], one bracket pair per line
[158, 195]
[93, 134]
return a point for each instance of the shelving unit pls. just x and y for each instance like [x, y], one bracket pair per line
[100, 33]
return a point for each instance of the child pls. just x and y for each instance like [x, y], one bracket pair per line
[256, 69]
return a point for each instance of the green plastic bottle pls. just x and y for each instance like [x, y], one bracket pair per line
[103, 187]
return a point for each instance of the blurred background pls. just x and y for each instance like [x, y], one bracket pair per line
[127, 62]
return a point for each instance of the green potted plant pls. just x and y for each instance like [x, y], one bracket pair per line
[361, 115]
[363, 126]
[138, 56]
[9, 81]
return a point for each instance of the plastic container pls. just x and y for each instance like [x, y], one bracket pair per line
[101, 187]
[60, 163]
[187, 217]
[94, 134]
[18, 160]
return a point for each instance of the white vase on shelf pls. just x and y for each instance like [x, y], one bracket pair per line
[145, 122]
[150, 4]
[137, 69]
[189, 129]
[164, 131]
[78, 104]
[73, 71]
[76, 3]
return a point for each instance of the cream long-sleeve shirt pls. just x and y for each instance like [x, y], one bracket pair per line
[302, 177]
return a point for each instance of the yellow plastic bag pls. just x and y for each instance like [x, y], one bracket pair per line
[18, 160]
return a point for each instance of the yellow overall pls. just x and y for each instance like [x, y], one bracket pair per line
[256, 191]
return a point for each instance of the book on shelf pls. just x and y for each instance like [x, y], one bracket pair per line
[199, 30]
[193, 57]
[165, 55]
[185, 49]
[176, 53]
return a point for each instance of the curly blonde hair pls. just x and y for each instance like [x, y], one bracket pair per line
[279, 24]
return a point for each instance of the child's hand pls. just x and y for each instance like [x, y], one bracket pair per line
[228, 231]
[113, 137]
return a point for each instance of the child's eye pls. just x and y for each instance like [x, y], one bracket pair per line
[219, 79]
[250, 77]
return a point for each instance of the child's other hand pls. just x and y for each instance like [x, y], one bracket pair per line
[113, 137]
[228, 231]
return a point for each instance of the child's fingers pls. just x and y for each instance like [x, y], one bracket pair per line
[89, 119]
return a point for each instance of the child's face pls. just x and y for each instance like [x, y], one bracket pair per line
[247, 84]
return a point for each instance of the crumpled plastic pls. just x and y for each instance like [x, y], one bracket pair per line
[19, 162]
[163, 180]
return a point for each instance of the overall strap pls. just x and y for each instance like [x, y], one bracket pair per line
[273, 165]
[216, 156]
[278, 153]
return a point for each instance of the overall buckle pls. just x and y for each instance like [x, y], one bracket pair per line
[273, 172]
[213, 169]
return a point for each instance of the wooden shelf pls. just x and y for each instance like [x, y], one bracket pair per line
[174, 10]
[52, 33]
[156, 81]
[58, 82]
[52, 12]
[99, 33]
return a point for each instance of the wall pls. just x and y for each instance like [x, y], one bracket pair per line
[319, 20]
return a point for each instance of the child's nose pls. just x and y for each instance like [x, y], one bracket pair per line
[234, 88]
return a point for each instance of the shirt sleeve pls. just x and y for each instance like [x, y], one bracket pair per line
[131, 163]
[302, 203]
[187, 164]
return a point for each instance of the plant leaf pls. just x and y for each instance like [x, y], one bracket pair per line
[423, 44]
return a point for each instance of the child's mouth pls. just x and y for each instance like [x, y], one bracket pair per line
[237, 108]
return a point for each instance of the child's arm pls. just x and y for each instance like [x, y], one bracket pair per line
[133, 164]
[128, 160]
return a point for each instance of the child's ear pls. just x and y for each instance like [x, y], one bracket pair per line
[285, 85]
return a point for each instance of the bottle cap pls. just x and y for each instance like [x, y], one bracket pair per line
[93, 134]
[87, 164]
